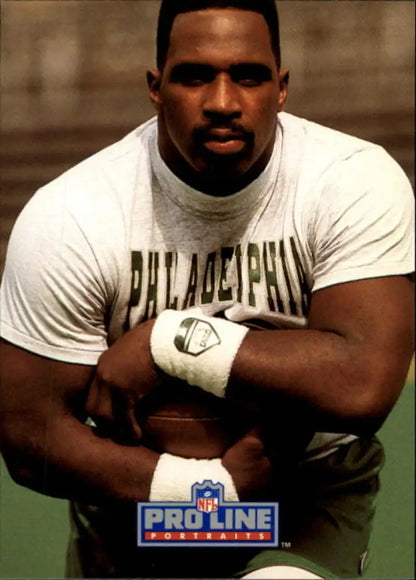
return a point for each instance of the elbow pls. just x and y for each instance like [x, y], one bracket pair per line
[23, 475]
[364, 425]
[22, 469]
[23, 464]
[373, 384]
[369, 404]
[361, 421]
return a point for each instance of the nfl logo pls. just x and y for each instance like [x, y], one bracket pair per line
[207, 520]
[207, 499]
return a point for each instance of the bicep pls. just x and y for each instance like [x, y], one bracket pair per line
[34, 391]
[375, 319]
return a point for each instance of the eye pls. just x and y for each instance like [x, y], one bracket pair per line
[251, 75]
[249, 82]
[192, 75]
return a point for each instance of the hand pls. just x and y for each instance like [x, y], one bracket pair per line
[125, 374]
[249, 467]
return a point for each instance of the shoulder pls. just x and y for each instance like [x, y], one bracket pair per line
[321, 159]
[85, 213]
[114, 171]
[133, 145]
[314, 134]
[319, 147]
[99, 193]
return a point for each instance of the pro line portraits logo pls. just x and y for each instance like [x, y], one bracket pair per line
[207, 520]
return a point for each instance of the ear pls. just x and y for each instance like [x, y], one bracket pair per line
[154, 78]
[283, 87]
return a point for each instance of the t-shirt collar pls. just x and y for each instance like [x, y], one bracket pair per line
[210, 206]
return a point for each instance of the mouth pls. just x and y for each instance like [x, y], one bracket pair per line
[224, 141]
[226, 147]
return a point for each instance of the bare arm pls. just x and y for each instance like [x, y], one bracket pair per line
[342, 374]
[47, 446]
[45, 442]
[347, 369]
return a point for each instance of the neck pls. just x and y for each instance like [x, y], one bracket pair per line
[216, 182]
[221, 179]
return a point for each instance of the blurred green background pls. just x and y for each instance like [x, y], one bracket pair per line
[34, 529]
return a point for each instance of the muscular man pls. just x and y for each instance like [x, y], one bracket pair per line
[223, 212]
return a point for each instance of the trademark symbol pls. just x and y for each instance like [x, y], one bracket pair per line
[286, 545]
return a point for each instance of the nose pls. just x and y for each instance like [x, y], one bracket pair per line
[221, 98]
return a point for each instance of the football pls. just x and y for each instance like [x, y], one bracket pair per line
[189, 422]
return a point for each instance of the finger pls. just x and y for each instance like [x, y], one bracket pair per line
[104, 407]
[255, 431]
[92, 397]
[100, 409]
[125, 422]
[132, 421]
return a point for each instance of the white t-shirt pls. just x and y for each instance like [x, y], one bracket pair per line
[119, 238]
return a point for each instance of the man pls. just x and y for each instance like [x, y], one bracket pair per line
[221, 213]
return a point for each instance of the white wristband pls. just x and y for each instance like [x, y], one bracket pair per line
[196, 348]
[174, 476]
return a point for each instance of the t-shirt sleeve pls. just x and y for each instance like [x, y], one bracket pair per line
[53, 295]
[364, 221]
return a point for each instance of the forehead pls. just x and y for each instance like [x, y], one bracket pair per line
[220, 35]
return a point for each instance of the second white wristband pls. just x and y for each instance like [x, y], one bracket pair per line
[174, 476]
[196, 348]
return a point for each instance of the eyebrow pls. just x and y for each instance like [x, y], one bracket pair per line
[186, 69]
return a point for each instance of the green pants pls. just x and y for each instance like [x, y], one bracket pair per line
[326, 512]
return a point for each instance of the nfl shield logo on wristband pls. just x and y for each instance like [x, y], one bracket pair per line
[195, 336]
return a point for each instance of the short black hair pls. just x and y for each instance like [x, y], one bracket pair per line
[169, 9]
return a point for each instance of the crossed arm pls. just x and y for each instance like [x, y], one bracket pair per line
[345, 372]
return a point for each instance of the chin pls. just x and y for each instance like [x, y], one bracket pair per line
[217, 167]
[219, 174]
[218, 182]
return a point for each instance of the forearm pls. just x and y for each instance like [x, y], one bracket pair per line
[318, 378]
[71, 461]
[68, 460]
